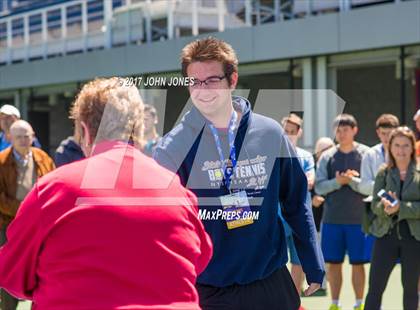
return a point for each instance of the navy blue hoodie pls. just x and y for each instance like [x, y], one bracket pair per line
[269, 172]
[68, 151]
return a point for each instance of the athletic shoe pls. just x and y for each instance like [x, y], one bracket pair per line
[334, 307]
[361, 307]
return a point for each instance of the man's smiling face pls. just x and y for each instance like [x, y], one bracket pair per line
[213, 98]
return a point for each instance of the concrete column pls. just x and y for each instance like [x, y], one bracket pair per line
[322, 97]
[332, 85]
[64, 28]
[170, 13]
[148, 21]
[277, 13]
[308, 107]
[248, 13]
[26, 35]
[44, 33]
[21, 102]
[309, 7]
[85, 25]
[108, 23]
[221, 15]
[16, 100]
[9, 40]
[194, 13]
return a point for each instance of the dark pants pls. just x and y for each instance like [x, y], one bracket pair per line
[8, 302]
[386, 252]
[277, 291]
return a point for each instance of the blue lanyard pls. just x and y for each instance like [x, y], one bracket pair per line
[229, 168]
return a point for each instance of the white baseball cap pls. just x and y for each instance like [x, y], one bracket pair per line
[416, 116]
[10, 110]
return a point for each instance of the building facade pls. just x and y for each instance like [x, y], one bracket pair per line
[365, 51]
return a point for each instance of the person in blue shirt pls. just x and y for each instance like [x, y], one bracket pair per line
[292, 126]
[68, 151]
[377, 155]
[241, 166]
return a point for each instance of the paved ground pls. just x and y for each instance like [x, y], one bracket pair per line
[392, 299]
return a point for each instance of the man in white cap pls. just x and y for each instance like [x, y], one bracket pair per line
[8, 109]
[8, 115]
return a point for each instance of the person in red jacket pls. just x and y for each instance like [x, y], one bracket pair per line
[114, 230]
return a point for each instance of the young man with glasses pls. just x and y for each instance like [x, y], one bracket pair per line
[238, 162]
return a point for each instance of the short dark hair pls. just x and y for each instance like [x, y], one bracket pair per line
[345, 120]
[387, 121]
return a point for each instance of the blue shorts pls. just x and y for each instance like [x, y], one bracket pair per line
[339, 239]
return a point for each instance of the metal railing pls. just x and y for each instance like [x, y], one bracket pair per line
[83, 25]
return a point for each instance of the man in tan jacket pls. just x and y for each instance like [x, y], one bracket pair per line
[20, 167]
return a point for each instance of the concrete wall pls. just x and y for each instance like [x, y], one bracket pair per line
[60, 125]
[371, 91]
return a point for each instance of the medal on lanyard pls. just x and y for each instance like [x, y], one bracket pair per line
[237, 211]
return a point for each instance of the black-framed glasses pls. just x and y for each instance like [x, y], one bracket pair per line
[210, 81]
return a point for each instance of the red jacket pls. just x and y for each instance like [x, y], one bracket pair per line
[112, 231]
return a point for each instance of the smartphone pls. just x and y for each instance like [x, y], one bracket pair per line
[383, 194]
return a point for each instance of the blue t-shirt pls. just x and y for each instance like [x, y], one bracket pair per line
[306, 160]
[308, 165]
[4, 144]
